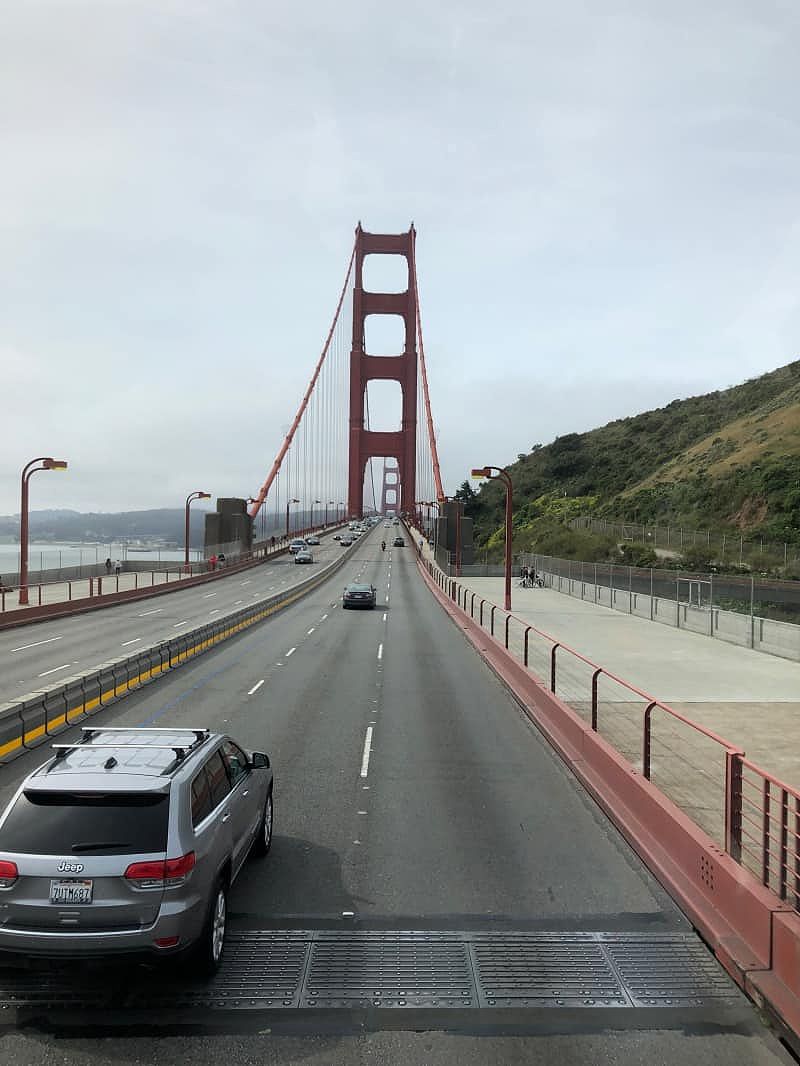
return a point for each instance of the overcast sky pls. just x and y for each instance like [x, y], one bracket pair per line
[605, 193]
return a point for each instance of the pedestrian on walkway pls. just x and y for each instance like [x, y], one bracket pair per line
[212, 561]
[108, 565]
[117, 567]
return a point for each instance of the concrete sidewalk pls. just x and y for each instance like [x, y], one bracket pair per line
[750, 699]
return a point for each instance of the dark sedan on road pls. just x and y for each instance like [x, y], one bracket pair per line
[398, 542]
[356, 595]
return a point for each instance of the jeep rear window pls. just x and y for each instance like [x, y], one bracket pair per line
[97, 823]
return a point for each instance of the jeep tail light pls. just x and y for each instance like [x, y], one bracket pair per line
[165, 873]
[8, 873]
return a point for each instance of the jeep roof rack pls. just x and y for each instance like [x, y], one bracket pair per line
[89, 732]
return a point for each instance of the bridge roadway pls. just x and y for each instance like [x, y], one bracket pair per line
[40, 654]
[466, 828]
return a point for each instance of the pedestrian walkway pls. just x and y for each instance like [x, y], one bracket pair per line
[751, 700]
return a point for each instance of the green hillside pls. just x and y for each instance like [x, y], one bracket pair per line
[728, 461]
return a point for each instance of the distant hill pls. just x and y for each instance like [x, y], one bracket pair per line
[164, 524]
[725, 461]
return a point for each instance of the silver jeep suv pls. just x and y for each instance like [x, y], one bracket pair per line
[128, 841]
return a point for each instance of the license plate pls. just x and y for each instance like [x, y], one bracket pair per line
[71, 891]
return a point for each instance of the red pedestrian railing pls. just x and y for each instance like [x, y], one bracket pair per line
[750, 813]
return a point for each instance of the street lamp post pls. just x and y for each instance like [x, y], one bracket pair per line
[328, 503]
[312, 513]
[189, 498]
[502, 475]
[340, 510]
[27, 470]
[287, 515]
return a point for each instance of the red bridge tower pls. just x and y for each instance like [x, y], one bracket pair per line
[366, 444]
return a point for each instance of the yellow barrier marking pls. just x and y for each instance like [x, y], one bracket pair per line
[10, 745]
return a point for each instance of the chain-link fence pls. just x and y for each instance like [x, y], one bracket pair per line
[728, 548]
[752, 612]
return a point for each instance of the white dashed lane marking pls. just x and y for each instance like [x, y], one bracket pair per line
[55, 668]
[308, 634]
[36, 644]
[125, 643]
[291, 651]
[380, 651]
[367, 750]
[157, 610]
[256, 687]
[208, 595]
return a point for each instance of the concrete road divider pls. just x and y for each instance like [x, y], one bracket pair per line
[31, 720]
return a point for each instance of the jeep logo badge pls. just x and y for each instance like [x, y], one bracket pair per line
[70, 867]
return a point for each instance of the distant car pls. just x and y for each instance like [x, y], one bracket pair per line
[398, 542]
[128, 840]
[346, 540]
[297, 545]
[357, 595]
[303, 556]
[313, 539]
[337, 536]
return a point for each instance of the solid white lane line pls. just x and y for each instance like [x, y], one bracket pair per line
[380, 651]
[367, 749]
[55, 668]
[157, 610]
[36, 644]
[125, 643]
[384, 617]
[208, 595]
[256, 687]
[308, 634]
[291, 651]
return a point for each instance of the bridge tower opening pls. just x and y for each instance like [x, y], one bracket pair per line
[366, 444]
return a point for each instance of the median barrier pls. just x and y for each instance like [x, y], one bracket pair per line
[74, 699]
[91, 693]
[105, 675]
[55, 706]
[33, 719]
[10, 731]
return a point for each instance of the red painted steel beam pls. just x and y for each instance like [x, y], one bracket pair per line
[402, 367]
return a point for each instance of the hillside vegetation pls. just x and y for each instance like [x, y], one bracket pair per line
[727, 461]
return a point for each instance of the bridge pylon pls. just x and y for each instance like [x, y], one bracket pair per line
[401, 367]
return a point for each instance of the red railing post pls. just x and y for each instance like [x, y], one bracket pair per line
[40, 595]
[783, 873]
[553, 667]
[91, 586]
[508, 619]
[69, 590]
[472, 606]
[527, 631]
[765, 820]
[480, 620]
[491, 619]
[646, 741]
[733, 805]
[595, 676]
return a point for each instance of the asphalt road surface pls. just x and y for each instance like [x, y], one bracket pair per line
[410, 794]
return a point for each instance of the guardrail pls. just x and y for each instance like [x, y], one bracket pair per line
[732, 864]
[31, 720]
